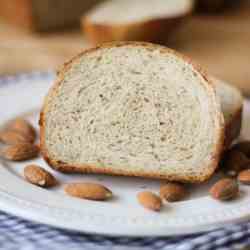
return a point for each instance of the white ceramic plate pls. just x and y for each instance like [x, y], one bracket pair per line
[23, 95]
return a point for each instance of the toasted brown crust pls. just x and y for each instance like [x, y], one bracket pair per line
[233, 128]
[156, 30]
[83, 168]
[151, 30]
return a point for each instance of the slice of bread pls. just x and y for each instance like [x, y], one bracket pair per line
[135, 109]
[143, 20]
[232, 106]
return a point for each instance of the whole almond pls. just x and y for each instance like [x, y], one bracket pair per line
[224, 189]
[20, 152]
[172, 192]
[13, 137]
[234, 161]
[24, 127]
[149, 200]
[243, 146]
[244, 177]
[39, 176]
[90, 191]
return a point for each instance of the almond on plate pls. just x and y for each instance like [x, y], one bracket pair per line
[20, 152]
[172, 192]
[149, 200]
[90, 191]
[234, 161]
[39, 176]
[24, 127]
[13, 137]
[244, 177]
[225, 189]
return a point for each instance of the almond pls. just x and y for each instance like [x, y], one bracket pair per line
[39, 176]
[224, 189]
[12, 137]
[234, 161]
[90, 191]
[172, 192]
[149, 200]
[243, 147]
[24, 127]
[244, 177]
[20, 152]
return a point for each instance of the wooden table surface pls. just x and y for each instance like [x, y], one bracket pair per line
[220, 43]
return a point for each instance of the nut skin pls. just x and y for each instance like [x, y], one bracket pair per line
[149, 200]
[39, 176]
[11, 137]
[23, 127]
[20, 152]
[224, 189]
[172, 192]
[89, 191]
[244, 177]
[234, 161]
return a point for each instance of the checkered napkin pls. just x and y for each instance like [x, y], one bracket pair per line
[19, 234]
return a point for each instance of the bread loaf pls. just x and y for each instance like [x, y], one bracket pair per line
[232, 106]
[134, 109]
[143, 20]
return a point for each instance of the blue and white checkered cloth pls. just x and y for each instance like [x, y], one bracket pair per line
[19, 234]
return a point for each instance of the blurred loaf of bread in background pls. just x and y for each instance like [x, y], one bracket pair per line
[44, 15]
[144, 20]
[151, 16]
[220, 43]
[136, 20]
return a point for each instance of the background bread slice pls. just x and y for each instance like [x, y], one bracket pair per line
[134, 20]
[135, 109]
[232, 105]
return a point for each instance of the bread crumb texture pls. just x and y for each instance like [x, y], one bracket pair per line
[133, 107]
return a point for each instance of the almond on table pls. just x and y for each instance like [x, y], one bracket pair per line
[149, 200]
[20, 152]
[87, 190]
[39, 176]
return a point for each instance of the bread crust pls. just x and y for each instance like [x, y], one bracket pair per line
[84, 168]
[233, 128]
[155, 30]
[91, 169]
